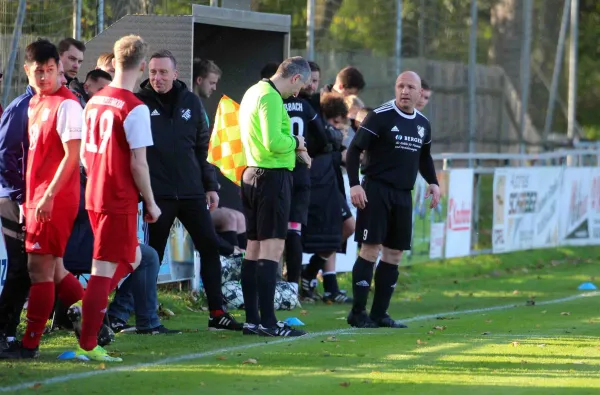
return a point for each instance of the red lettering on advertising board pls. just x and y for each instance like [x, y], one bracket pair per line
[459, 217]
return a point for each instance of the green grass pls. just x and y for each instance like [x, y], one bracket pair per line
[522, 350]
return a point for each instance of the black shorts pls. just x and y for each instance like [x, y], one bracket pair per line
[266, 197]
[300, 203]
[346, 213]
[387, 218]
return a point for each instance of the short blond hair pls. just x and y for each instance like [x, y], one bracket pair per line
[130, 51]
[105, 59]
[353, 101]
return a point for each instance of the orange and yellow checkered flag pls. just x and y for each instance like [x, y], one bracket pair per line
[225, 147]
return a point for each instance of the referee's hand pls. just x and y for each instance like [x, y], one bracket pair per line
[433, 191]
[358, 197]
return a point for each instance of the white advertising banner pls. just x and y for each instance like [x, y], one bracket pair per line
[515, 195]
[575, 205]
[595, 206]
[460, 211]
[549, 182]
[436, 241]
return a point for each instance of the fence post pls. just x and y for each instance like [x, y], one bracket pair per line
[472, 81]
[310, 30]
[398, 49]
[572, 106]
[77, 19]
[100, 16]
[525, 70]
[14, 48]
[475, 216]
[560, 48]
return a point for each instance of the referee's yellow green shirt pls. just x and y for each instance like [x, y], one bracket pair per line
[265, 128]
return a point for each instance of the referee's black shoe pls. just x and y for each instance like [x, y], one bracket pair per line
[361, 320]
[281, 329]
[388, 322]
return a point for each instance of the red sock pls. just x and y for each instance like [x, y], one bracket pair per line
[123, 269]
[39, 308]
[70, 290]
[216, 313]
[95, 301]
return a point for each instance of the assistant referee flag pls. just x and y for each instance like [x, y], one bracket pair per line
[225, 147]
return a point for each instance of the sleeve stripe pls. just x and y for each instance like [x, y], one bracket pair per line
[369, 130]
[315, 117]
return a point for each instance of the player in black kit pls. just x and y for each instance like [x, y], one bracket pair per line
[306, 123]
[396, 139]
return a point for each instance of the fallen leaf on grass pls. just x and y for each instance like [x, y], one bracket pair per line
[524, 362]
[202, 384]
[36, 386]
[537, 326]
[515, 344]
[486, 333]
[251, 361]
[101, 367]
[221, 357]
[515, 292]
[222, 337]
[565, 313]
[530, 303]
[544, 312]
[541, 345]
[366, 381]
[352, 341]
[578, 363]
[304, 312]
[345, 384]
[488, 321]
[420, 342]
[439, 328]
[430, 332]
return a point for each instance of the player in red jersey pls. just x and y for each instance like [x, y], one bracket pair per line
[115, 135]
[52, 193]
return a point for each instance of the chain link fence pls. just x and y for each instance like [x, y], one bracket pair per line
[432, 37]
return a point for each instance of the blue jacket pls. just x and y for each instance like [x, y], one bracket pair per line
[14, 144]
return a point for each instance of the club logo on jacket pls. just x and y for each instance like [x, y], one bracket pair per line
[421, 131]
[186, 114]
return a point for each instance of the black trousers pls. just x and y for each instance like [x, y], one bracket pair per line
[195, 218]
[16, 287]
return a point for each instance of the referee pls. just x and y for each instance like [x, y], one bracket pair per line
[396, 139]
[270, 149]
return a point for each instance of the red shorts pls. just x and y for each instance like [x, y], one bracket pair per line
[49, 238]
[115, 236]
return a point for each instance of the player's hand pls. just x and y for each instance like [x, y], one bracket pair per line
[358, 196]
[152, 213]
[212, 199]
[301, 146]
[433, 191]
[304, 157]
[43, 209]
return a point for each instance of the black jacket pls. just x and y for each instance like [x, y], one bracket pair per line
[177, 160]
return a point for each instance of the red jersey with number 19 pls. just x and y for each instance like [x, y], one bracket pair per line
[115, 122]
[53, 120]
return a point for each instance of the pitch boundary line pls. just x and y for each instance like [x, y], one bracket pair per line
[187, 357]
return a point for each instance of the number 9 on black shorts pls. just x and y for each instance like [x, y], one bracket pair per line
[387, 217]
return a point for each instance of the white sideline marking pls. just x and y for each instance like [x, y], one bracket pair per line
[186, 357]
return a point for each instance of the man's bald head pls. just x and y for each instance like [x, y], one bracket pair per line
[408, 91]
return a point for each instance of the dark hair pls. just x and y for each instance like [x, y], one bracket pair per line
[425, 85]
[41, 51]
[96, 74]
[314, 66]
[351, 78]
[66, 43]
[293, 66]
[202, 68]
[269, 70]
[333, 106]
[164, 53]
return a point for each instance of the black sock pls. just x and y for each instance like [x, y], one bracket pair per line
[230, 237]
[225, 248]
[315, 264]
[362, 274]
[330, 283]
[242, 240]
[266, 279]
[293, 256]
[386, 276]
[250, 291]
[210, 273]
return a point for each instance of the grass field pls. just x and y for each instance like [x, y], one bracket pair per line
[505, 324]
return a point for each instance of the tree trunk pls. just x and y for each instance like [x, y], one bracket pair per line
[507, 25]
